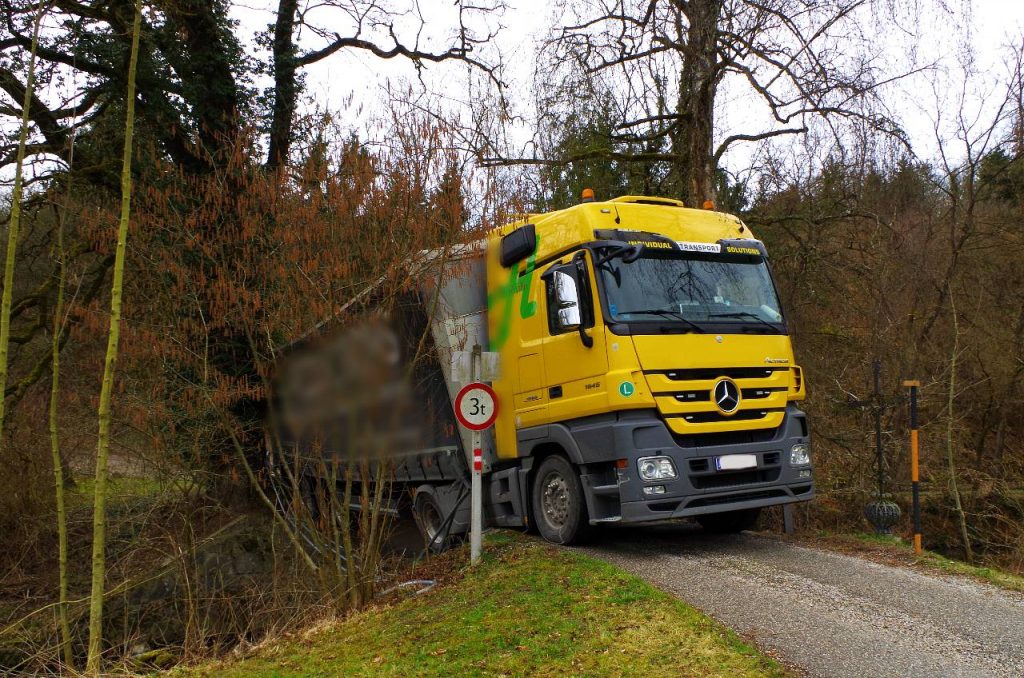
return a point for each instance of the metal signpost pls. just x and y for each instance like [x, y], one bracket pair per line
[476, 408]
[915, 480]
[882, 513]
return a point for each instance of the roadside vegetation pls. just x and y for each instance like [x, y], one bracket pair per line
[528, 609]
[896, 551]
[259, 216]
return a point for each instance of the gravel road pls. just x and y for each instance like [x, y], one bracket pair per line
[828, 613]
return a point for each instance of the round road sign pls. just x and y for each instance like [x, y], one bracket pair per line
[476, 406]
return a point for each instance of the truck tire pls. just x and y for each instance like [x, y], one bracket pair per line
[730, 522]
[431, 522]
[559, 507]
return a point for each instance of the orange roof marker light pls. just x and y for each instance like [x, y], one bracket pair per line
[587, 195]
[709, 204]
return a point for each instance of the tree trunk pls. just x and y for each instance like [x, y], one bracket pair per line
[694, 173]
[285, 89]
[15, 220]
[103, 443]
[207, 67]
[950, 459]
[60, 478]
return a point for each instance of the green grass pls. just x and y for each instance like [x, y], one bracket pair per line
[934, 561]
[120, 488]
[527, 610]
[1005, 580]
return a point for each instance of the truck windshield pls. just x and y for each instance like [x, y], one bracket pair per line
[693, 290]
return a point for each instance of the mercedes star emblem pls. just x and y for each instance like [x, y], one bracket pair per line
[727, 396]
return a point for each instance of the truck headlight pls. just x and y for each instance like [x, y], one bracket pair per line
[656, 468]
[800, 455]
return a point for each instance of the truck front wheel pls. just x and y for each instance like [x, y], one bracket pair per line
[729, 522]
[559, 508]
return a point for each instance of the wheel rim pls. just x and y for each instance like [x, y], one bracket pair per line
[554, 500]
[431, 519]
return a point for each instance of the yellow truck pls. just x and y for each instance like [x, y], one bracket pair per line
[645, 373]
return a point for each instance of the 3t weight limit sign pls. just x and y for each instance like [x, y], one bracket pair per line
[476, 406]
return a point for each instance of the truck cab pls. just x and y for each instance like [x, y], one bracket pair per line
[647, 371]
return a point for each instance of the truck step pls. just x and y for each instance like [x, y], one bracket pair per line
[606, 490]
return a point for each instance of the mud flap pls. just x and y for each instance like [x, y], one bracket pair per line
[505, 502]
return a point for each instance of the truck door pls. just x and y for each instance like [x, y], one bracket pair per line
[575, 360]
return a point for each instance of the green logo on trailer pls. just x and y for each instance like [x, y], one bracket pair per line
[626, 389]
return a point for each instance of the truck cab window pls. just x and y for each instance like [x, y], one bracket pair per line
[695, 289]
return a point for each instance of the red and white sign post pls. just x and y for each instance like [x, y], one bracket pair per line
[476, 408]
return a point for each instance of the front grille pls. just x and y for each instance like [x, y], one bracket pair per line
[704, 373]
[743, 415]
[692, 396]
[703, 475]
[701, 395]
[730, 498]
[704, 463]
[684, 398]
[760, 435]
[756, 393]
[731, 478]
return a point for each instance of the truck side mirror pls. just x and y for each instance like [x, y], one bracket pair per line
[566, 311]
[568, 298]
[518, 245]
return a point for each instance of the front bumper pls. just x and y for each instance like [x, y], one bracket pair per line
[698, 488]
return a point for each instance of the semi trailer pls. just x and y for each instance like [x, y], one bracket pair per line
[641, 360]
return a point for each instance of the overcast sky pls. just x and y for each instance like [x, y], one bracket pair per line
[353, 84]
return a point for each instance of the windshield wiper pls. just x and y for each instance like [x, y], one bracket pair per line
[665, 313]
[744, 314]
[629, 254]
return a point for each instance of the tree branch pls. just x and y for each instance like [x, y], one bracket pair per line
[579, 157]
[728, 141]
[399, 50]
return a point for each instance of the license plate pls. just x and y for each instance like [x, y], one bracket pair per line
[734, 462]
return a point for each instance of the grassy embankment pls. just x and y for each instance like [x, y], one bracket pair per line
[528, 610]
[896, 551]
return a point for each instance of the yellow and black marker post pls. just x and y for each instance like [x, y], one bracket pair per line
[915, 480]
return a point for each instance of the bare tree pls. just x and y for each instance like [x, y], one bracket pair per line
[664, 63]
[954, 488]
[15, 216]
[193, 81]
[99, 521]
[374, 28]
[195, 104]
